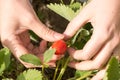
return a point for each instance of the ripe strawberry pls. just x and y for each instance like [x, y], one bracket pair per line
[60, 47]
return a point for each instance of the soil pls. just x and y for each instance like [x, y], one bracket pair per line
[48, 17]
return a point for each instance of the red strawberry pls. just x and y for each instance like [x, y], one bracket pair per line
[60, 47]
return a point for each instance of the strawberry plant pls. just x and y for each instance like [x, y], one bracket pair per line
[10, 69]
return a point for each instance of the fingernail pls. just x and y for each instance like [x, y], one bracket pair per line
[58, 36]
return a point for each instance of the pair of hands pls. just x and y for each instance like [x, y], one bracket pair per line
[18, 16]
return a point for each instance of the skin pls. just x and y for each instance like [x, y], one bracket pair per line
[16, 18]
[104, 15]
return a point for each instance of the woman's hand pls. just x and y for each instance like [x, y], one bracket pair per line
[104, 16]
[16, 18]
[100, 75]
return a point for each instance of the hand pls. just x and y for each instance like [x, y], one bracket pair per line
[100, 75]
[16, 18]
[105, 19]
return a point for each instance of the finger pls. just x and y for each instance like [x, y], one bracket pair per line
[44, 32]
[17, 48]
[116, 52]
[81, 19]
[99, 60]
[33, 23]
[91, 47]
[76, 54]
[56, 57]
[25, 38]
[99, 75]
[104, 55]
[43, 46]
[30, 47]
[14, 44]
[52, 62]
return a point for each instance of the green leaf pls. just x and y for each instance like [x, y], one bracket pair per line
[75, 6]
[85, 32]
[63, 10]
[82, 74]
[67, 11]
[34, 37]
[113, 70]
[5, 55]
[82, 32]
[30, 74]
[49, 54]
[7, 79]
[29, 58]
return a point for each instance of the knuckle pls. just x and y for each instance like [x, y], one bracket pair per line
[8, 39]
[48, 31]
[116, 40]
[86, 57]
[4, 40]
[30, 19]
[97, 65]
[105, 35]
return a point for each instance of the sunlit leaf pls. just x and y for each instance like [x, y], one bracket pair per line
[4, 59]
[113, 70]
[29, 58]
[7, 79]
[49, 54]
[75, 6]
[63, 10]
[30, 74]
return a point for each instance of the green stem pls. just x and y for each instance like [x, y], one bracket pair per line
[58, 64]
[63, 69]
[43, 67]
[71, 1]
[85, 76]
[62, 1]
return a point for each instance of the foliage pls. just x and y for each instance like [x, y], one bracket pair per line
[48, 55]
[7, 79]
[30, 74]
[78, 41]
[29, 58]
[4, 59]
[113, 70]
[69, 12]
[61, 8]
[66, 11]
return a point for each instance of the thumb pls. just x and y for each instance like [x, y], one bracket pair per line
[44, 32]
[81, 19]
